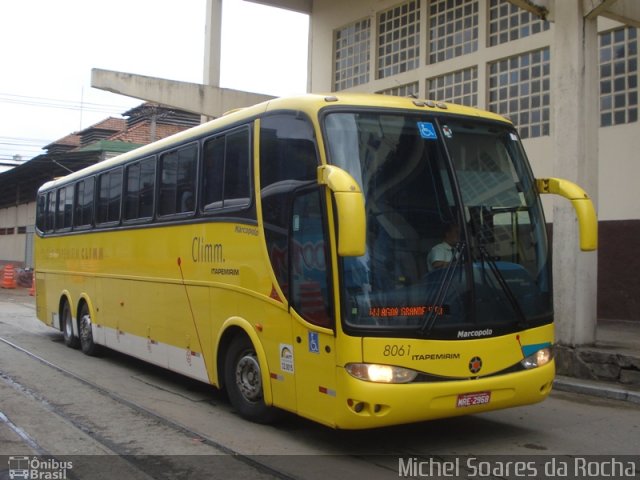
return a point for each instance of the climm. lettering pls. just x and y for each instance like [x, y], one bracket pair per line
[206, 252]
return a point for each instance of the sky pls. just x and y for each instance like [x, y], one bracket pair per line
[48, 48]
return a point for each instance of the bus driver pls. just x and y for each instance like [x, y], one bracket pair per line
[441, 254]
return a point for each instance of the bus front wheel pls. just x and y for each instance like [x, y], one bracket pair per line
[70, 340]
[243, 380]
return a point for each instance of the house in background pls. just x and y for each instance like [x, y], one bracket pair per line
[110, 137]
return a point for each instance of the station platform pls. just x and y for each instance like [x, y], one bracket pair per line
[609, 367]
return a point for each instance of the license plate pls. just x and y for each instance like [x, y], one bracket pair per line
[471, 399]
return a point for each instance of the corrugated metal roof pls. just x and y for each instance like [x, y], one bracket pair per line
[20, 184]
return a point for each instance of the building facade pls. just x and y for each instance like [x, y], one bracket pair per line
[494, 55]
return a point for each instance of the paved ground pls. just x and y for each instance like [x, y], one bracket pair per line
[139, 415]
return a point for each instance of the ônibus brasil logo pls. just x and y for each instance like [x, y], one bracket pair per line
[36, 468]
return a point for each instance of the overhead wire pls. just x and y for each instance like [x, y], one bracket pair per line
[61, 103]
[32, 147]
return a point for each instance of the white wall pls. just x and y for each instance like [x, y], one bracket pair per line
[619, 172]
[12, 247]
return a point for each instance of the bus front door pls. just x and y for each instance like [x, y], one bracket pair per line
[312, 310]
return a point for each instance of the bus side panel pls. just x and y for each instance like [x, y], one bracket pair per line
[271, 323]
[153, 321]
[53, 294]
[41, 298]
[191, 325]
[315, 370]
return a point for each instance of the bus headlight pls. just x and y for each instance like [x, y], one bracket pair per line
[538, 359]
[372, 372]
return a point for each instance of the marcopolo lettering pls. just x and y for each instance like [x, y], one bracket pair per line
[474, 333]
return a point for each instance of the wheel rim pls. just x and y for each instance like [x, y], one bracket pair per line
[248, 377]
[85, 329]
[68, 327]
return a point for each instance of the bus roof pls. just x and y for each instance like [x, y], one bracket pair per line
[310, 103]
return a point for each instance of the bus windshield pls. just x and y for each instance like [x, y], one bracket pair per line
[456, 238]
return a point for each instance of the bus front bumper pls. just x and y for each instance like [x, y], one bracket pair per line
[364, 404]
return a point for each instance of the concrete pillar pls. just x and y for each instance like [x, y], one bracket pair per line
[574, 87]
[212, 43]
[212, 47]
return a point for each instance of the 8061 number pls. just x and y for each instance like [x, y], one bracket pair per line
[396, 350]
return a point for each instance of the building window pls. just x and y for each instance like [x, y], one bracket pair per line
[619, 77]
[351, 55]
[453, 29]
[456, 87]
[507, 22]
[408, 90]
[399, 39]
[519, 89]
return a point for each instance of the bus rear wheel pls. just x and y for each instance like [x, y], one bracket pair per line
[243, 381]
[70, 340]
[86, 335]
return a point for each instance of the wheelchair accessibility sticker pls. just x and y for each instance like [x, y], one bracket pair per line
[314, 342]
[427, 131]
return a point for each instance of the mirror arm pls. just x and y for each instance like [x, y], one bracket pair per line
[582, 204]
[349, 202]
[337, 179]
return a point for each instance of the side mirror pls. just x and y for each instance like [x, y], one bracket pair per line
[349, 202]
[587, 220]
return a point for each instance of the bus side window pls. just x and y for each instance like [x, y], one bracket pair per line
[139, 189]
[60, 202]
[109, 196]
[310, 292]
[237, 185]
[288, 159]
[51, 211]
[226, 177]
[64, 208]
[41, 213]
[213, 174]
[83, 214]
[178, 180]
[78, 199]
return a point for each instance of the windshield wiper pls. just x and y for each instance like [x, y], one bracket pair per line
[436, 306]
[515, 304]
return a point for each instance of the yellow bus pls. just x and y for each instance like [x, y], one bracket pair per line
[359, 260]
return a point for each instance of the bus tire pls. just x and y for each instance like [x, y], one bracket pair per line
[243, 380]
[70, 340]
[86, 335]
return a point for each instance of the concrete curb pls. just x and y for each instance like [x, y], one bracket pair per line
[596, 389]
